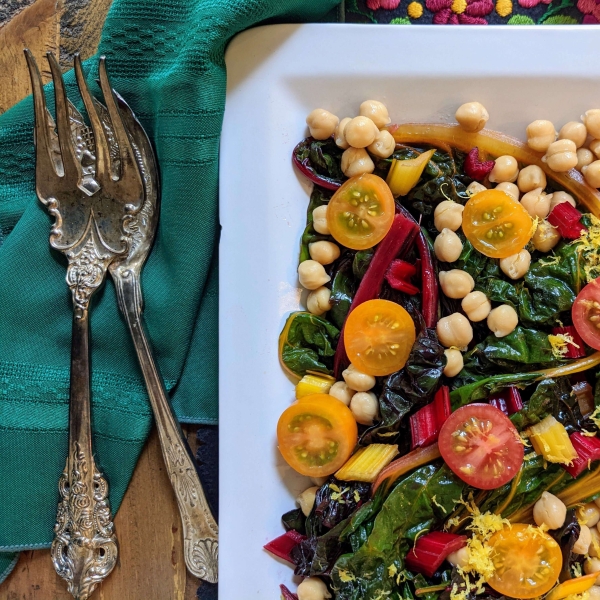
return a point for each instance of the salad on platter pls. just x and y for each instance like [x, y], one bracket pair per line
[446, 366]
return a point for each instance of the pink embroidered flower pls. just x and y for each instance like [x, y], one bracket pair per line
[465, 12]
[591, 11]
[532, 3]
[385, 4]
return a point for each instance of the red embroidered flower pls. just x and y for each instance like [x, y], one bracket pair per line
[591, 10]
[385, 4]
[472, 14]
[532, 3]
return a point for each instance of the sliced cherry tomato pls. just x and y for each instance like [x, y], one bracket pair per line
[317, 435]
[527, 561]
[481, 445]
[586, 314]
[361, 212]
[496, 224]
[378, 336]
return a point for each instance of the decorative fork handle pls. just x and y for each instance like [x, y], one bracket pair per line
[84, 550]
[199, 527]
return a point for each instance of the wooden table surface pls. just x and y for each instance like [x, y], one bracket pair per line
[151, 564]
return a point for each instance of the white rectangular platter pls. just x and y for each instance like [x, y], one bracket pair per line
[276, 76]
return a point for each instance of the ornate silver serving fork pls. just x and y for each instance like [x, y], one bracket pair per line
[92, 190]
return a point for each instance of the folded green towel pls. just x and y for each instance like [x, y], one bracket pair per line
[166, 59]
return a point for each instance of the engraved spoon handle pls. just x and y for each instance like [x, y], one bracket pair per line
[84, 549]
[199, 527]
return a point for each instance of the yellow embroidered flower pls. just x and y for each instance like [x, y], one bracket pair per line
[504, 7]
[415, 10]
[459, 6]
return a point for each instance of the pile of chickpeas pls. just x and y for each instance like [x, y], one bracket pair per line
[356, 135]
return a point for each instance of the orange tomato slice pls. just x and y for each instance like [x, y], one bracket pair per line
[361, 212]
[317, 435]
[527, 561]
[378, 336]
[496, 224]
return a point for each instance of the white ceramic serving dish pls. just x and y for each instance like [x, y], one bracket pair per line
[276, 76]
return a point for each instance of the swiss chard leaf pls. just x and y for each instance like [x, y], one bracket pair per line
[342, 291]
[309, 344]
[415, 505]
[322, 158]
[319, 197]
[409, 388]
[566, 537]
[362, 260]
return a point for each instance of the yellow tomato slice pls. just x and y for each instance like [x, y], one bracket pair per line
[361, 212]
[527, 561]
[496, 224]
[317, 435]
[378, 336]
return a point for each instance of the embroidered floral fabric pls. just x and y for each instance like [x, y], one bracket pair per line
[474, 12]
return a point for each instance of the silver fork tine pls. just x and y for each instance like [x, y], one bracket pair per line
[102, 151]
[42, 130]
[72, 168]
[130, 177]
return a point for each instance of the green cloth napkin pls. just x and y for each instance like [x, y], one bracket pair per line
[166, 59]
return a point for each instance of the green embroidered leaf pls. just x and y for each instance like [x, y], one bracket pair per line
[520, 20]
[560, 20]
[553, 10]
[400, 21]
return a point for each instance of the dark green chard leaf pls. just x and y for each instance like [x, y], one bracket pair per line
[342, 290]
[566, 537]
[409, 388]
[416, 504]
[310, 344]
[322, 158]
[319, 197]
[294, 519]
[362, 260]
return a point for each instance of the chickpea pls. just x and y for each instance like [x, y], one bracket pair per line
[317, 302]
[592, 174]
[359, 382]
[454, 330]
[448, 215]
[516, 265]
[472, 116]
[540, 134]
[558, 197]
[502, 320]
[584, 158]
[456, 283]
[342, 392]
[321, 123]
[509, 188]
[594, 592]
[312, 275]
[594, 146]
[365, 407]
[459, 558]
[356, 161]
[324, 252]
[582, 545]
[591, 119]
[320, 220]
[506, 168]
[531, 177]
[589, 514]
[594, 548]
[340, 139]
[312, 588]
[561, 156]
[454, 362]
[574, 131]
[360, 132]
[447, 246]
[376, 111]
[550, 511]
[545, 237]
[536, 203]
[475, 187]
[384, 144]
[477, 306]
[592, 565]
[306, 500]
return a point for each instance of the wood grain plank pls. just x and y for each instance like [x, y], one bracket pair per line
[37, 27]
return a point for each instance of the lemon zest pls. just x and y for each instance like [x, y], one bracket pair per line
[346, 576]
[560, 344]
[434, 501]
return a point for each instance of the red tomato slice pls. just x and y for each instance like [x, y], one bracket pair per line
[481, 445]
[586, 314]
